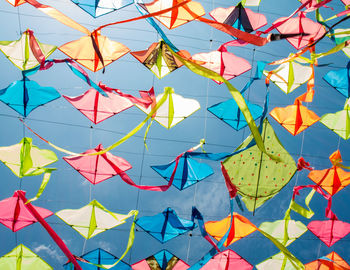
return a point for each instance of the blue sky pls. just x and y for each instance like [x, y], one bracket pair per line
[63, 125]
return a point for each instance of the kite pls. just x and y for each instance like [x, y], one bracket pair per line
[177, 16]
[98, 168]
[331, 261]
[26, 159]
[256, 176]
[290, 75]
[161, 260]
[92, 219]
[98, 257]
[239, 17]
[340, 80]
[25, 95]
[294, 118]
[24, 53]
[240, 228]
[101, 7]
[223, 62]
[16, 3]
[339, 122]
[229, 112]
[341, 36]
[95, 51]
[308, 29]
[333, 179]
[227, 259]
[96, 107]
[188, 171]
[329, 231]
[15, 215]
[159, 59]
[166, 225]
[22, 258]
[276, 262]
[175, 109]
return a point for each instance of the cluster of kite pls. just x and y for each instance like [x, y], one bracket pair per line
[254, 173]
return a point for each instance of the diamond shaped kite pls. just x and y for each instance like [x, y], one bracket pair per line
[340, 80]
[256, 176]
[290, 75]
[101, 7]
[223, 62]
[92, 219]
[331, 261]
[301, 25]
[84, 51]
[166, 225]
[241, 227]
[333, 179]
[96, 107]
[177, 16]
[16, 3]
[159, 59]
[275, 262]
[294, 118]
[239, 17]
[229, 112]
[161, 260]
[175, 109]
[14, 214]
[100, 257]
[25, 95]
[227, 259]
[22, 258]
[329, 231]
[339, 122]
[21, 52]
[188, 171]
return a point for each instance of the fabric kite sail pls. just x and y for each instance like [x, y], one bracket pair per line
[177, 16]
[256, 176]
[96, 107]
[307, 28]
[25, 95]
[331, 261]
[95, 51]
[92, 219]
[159, 59]
[339, 122]
[175, 109]
[22, 258]
[223, 62]
[161, 260]
[99, 257]
[227, 260]
[26, 159]
[329, 231]
[16, 3]
[340, 80]
[23, 53]
[229, 112]
[15, 216]
[98, 168]
[166, 225]
[332, 179]
[239, 17]
[241, 227]
[294, 118]
[277, 261]
[290, 75]
[188, 171]
[342, 35]
[101, 7]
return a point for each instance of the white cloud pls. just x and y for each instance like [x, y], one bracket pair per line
[49, 250]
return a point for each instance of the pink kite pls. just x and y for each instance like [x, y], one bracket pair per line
[14, 214]
[227, 259]
[223, 62]
[329, 231]
[97, 168]
[302, 25]
[96, 107]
